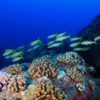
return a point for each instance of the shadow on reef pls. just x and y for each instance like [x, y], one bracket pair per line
[92, 56]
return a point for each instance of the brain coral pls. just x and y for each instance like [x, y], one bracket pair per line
[14, 69]
[4, 80]
[42, 92]
[37, 72]
[70, 58]
[74, 75]
[17, 84]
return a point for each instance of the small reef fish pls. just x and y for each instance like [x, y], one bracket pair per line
[88, 42]
[21, 47]
[80, 49]
[97, 38]
[61, 34]
[51, 42]
[17, 59]
[75, 44]
[35, 47]
[36, 42]
[56, 45]
[16, 54]
[30, 49]
[8, 52]
[76, 39]
[62, 38]
[7, 57]
[52, 36]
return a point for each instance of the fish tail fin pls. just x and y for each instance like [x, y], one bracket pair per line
[69, 36]
[56, 33]
[40, 41]
[95, 42]
[22, 57]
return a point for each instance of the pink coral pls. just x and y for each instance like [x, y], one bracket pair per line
[4, 79]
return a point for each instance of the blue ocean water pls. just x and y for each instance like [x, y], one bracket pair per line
[22, 21]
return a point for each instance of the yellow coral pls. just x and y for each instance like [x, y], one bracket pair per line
[37, 72]
[74, 75]
[17, 84]
[42, 61]
[14, 69]
[41, 92]
[70, 58]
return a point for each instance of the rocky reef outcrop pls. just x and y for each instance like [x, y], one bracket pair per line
[92, 56]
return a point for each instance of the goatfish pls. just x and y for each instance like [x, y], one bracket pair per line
[7, 57]
[80, 49]
[17, 59]
[51, 42]
[62, 38]
[97, 38]
[61, 34]
[8, 52]
[35, 47]
[55, 45]
[76, 38]
[88, 42]
[75, 44]
[16, 54]
[21, 47]
[36, 42]
[29, 50]
[52, 36]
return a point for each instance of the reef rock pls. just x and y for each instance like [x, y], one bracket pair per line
[92, 56]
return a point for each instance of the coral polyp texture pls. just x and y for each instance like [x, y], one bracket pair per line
[70, 58]
[17, 84]
[4, 80]
[42, 92]
[14, 69]
[5, 95]
[74, 75]
[42, 62]
[37, 72]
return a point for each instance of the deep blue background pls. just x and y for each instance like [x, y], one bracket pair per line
[21, 21]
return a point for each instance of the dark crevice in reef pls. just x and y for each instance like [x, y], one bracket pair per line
[92, 56]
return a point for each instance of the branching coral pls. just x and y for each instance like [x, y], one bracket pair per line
[4, 80]
[17, 84]
[42, 92]
[14, 69]
[74, 75]
[70, 58]
[43, 62]
[5, 95]
[37, 72]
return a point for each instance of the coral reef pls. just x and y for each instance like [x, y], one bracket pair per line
[91, 84]
[14, 69]
[75, 75]
[42, 92]
[5, 95]
[43, 80]
[17, 84]
[70, 58]
[4, 80]
[43, 62]
[37, 72]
